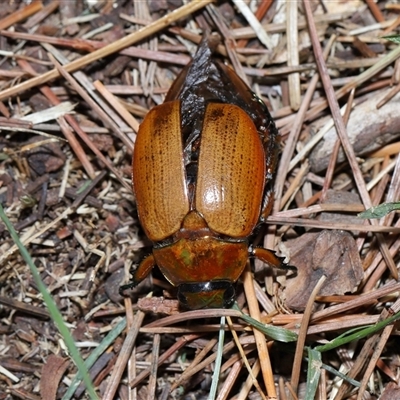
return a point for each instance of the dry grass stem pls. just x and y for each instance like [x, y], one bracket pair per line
[298, 356]
[151, 391]
[244, 358]
[128, 118]
[293, 55]
[21, 14]
[259, 337]
[110, 49]
[230, 380]
[341, 130]
[124, 356]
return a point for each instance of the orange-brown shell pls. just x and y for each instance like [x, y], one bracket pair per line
[158, 172]
[230, 180]
[210, 148]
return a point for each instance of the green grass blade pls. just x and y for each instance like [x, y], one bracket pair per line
[95, 354]
[313, 373]
[340, 375]
[393, 38]
[360, 333]
[218, 361]
[273, 332]
[379, 211]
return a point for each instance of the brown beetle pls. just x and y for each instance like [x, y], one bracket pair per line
[203, 166]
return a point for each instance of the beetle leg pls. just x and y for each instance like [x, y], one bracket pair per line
[140, 273]
[270, 258]
[143, 269]
[266, 256]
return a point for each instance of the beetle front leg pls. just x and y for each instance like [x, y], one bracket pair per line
[269, 257]
[266, 256]
[140, 273]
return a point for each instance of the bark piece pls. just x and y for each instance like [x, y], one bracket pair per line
[158, 305]
[47, 158]
[368, 129]
[345, 198]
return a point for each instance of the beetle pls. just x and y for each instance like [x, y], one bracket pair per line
[203, 167]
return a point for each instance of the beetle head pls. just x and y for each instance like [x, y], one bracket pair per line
[215, 294]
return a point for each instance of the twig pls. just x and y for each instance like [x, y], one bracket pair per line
[380, 345]
[110, 49]
[332, 161]
[341, 130]
[151, 393]
[199, 357]
[262, 347]
[272, 219]
[83, 135]
[298, 356]
[376, 12]
[114, 102]
[262, 9]
[254, 23]
[293, 54]
[288, 150]
[106, 114]
[124, 354]
[20, 15]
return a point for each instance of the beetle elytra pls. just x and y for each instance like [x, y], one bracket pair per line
[203, 167]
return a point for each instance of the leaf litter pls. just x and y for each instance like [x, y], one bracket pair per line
[73, 208]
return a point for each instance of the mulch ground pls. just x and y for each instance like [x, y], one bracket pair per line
[77, 78]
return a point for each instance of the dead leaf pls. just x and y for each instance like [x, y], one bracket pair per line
[330, 253]
[391, 392]
[52, 372]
